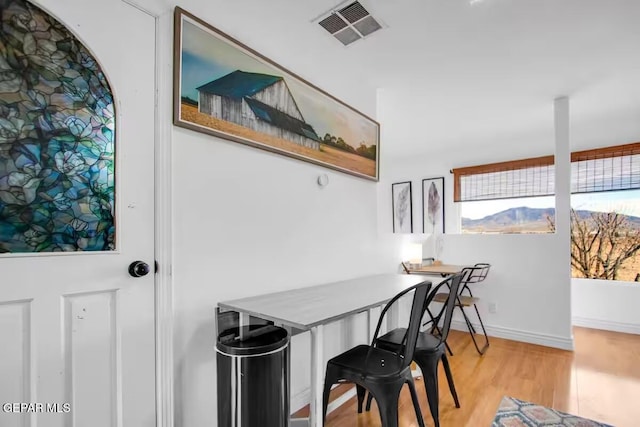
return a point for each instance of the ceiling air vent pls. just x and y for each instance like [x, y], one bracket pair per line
[349, 24]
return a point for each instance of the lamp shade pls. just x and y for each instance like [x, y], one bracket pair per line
[415, 253]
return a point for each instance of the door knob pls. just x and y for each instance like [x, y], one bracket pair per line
[138, 269]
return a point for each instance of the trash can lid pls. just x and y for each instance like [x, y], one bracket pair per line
[258, 339]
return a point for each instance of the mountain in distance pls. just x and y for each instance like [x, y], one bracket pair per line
[523, 220]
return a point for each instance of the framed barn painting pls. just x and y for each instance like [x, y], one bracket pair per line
[226, 89]
[402, 207]
[433, 205]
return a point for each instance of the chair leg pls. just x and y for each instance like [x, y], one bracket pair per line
[369, 399]
[447, 371]
[386, 396]
[472, 328]
[434, 327]
[416, 403]
[328, 382]
[472, 331]
[484, 331]
[429, 365]
[446, 344]
[361, 393]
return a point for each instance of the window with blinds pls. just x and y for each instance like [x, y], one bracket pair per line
[506, 180]
[606, 169]
[603, 169]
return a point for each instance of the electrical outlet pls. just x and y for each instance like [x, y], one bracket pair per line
[493, 307]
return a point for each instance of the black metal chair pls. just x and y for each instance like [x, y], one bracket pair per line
[472, 275]
[430, 349]
[381, 372]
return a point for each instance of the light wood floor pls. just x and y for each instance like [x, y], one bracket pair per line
[600, 380]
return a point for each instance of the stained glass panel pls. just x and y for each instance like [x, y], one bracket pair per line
[57, 136]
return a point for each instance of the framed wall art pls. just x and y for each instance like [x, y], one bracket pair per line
[224, 88]
[433, 205]
[402, 207]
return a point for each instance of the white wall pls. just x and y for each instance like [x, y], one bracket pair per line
[246, 222]
[529, 278]
[606, 304]
[525, 280]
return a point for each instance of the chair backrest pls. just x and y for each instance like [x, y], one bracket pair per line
[408, 345]
[477, 273]
[453, 282]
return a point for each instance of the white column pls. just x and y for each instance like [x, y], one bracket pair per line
[563, 201]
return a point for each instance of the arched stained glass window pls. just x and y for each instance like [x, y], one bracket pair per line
[57, 136]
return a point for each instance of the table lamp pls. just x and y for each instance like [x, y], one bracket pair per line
[415, 254]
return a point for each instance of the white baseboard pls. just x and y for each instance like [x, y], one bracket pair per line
[517, 335]
[627, 328]
[344, 397]
[301, 399]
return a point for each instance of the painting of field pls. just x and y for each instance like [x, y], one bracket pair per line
[326, 154]
[226, 89]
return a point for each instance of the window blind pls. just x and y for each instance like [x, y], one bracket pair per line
[514, 179]
[606, 169]
[603, 169]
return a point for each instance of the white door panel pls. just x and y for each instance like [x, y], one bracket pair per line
[77, 328]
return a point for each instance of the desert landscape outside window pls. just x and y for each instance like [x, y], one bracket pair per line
[517, 197]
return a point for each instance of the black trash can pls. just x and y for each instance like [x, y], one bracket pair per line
[253, 377]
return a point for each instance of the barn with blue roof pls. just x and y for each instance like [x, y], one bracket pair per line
[261, 102]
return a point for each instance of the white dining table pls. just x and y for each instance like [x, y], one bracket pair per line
[311, 308]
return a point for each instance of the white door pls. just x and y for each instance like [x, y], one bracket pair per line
[76, 329]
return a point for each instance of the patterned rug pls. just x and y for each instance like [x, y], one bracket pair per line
[518, 413]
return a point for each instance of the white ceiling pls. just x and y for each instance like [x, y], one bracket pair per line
[488, 73]
[456, 72]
